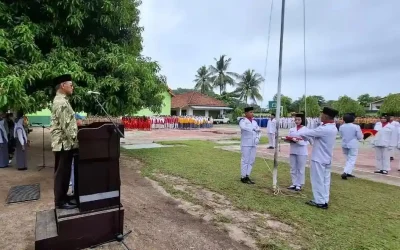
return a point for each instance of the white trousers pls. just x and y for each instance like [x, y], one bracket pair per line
[382, 156]
[320, 181]
[248, 158]
[271, 140]
[298, 169]
[351, 158]
[393, 152]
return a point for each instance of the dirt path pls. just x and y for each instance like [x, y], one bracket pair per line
[157, 220]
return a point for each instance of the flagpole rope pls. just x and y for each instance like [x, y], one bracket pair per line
[278, 190]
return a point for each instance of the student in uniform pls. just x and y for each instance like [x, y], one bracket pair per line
[271, 130]
[395, 137]
[298, 153]
[21, 141]
[382, 143]
[4, 157]
[250, 137]
[324, 137]
[351, 135]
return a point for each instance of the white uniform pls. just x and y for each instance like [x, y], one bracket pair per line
[298, 157]
[3, 145]
[271, 130]
[351, 135]
[395, 138]
[250, 137]
[382, 143]
[321, 159]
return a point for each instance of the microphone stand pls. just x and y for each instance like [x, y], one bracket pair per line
[41, 167]
[120, 237]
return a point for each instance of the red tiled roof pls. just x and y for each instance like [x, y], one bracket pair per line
[195, 99]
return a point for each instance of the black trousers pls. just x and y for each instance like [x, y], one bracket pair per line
[62, 175]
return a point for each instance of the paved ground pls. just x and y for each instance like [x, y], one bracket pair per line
[215, 133]
[156, 219]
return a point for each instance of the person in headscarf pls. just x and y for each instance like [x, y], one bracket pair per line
[4, 161]
[9, 125]
[298, 153]
[351, 135]
[21, 142]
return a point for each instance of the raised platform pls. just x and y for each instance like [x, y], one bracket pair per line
[60, 229]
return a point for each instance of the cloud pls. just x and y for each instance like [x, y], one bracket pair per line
[351, 46]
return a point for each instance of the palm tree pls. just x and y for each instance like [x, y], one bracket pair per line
[220, 77]
[248, 86]
[202, 80]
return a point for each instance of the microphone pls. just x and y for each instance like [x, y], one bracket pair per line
[93, 92]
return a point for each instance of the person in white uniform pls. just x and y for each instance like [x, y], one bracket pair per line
[382, 143]
[271, 130]
[351, 134]
[324, 137]
[298, 153]
[250, 137]
[395, 138]
[4, 161]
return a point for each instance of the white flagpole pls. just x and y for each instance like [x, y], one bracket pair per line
[278, 101]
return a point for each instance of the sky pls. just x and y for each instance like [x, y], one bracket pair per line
[352, 46]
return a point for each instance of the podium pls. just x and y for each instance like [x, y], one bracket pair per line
[99, 216]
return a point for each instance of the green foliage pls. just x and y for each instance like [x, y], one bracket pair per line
[346, 104]
[366, 99]
[98, 42]
[203, 81]
[179, 91]
[391, 105]
[311, 106]
[237, 112]
[248, 86]
[231, 99]
[220, 75]
[286, 103]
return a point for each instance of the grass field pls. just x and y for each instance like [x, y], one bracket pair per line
[362, 214]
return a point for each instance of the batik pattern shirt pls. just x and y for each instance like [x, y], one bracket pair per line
[64, 130]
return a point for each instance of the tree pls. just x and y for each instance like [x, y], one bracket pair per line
[98, 42]
[311, 106]
[202, 80]
[320, 99]
[231, 99]
[346, 104]
[366, 99]
[391, 105]
[179, 91]
[285, 103]
[248, 86]
[220, 75]
[330, 103]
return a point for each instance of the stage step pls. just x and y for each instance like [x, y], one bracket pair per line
[63, 229]
[46, 229]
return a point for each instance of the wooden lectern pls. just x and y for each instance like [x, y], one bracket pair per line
[99, 216]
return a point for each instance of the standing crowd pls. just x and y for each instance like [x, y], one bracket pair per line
[321, 134]
[167, 122]
[13, 140]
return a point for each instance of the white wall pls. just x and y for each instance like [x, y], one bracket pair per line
[375, 106]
